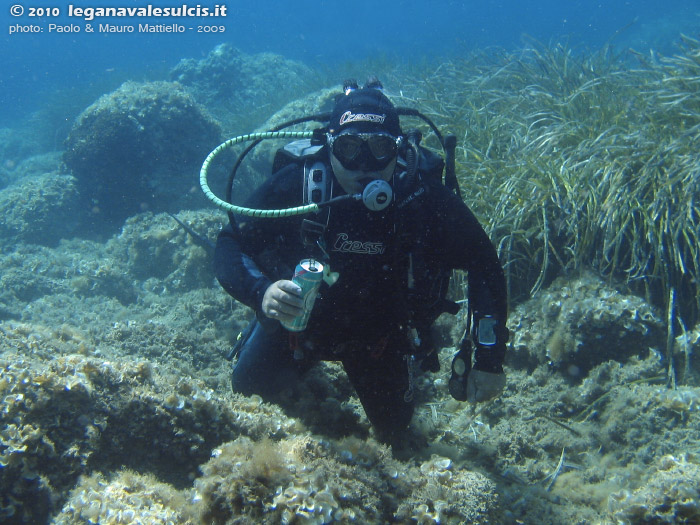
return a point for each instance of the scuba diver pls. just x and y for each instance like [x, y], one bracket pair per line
[385, 236]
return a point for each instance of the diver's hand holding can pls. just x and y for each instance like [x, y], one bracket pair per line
[307, 276]
[283, 301]
[291, 302]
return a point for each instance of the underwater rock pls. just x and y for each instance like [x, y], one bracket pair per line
[39, 209]
[39, 164]
[12, 170]
[576, 324]
[128, 497]
[77, 269]
[671, 494]
[444, 494]
[257, 166]
[62, 417]
[26, 495]
[242, 90]
[321, 101]
[157, 247]
[15, 144]
[301, 479]
[139, 148]
[115, 439]
[152, 254]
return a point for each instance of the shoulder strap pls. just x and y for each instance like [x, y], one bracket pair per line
[317, 181]
[297, 151]
[317, 187]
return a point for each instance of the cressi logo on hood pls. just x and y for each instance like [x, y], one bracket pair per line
[349, 117]
[365, 110]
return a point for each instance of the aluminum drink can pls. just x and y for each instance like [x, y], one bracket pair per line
[307, 275]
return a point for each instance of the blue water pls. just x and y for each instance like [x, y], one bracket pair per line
[34, 67]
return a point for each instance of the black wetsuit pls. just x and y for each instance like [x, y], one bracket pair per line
[361, 319]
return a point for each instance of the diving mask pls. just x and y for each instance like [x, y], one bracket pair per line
[364, 151]
[355, 181]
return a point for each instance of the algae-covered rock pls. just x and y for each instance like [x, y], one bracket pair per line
[40, 209]
[242, 90]
[444, 494]
[12, 170]
[15, 144]
[671, 494]
[26, 496]
[63, 416]
[39, 164]
[156, 247]
[76, 268]
[304, 480]
[127, 497]
[139, 147]
[579, 323]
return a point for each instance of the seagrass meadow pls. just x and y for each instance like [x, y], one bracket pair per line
[578, 159]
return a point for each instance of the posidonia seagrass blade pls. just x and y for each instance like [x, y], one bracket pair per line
[576, 159]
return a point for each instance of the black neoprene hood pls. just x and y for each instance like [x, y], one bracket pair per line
[365, 110]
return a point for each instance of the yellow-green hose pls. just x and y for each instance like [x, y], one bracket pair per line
[240, 210]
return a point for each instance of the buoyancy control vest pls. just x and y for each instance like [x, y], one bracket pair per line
[423, 291]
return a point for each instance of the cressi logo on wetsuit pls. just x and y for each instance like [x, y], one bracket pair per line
[344, 244]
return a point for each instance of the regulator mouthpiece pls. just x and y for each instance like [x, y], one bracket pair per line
[377, 195]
